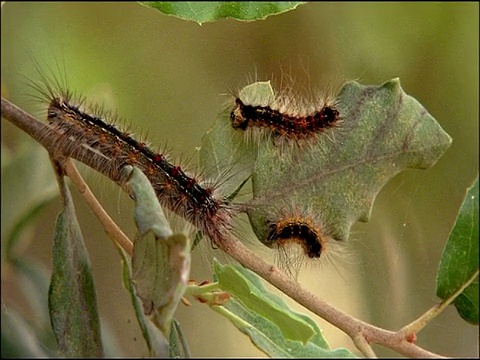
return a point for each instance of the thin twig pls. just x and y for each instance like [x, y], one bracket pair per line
[111, 228]
[422, 321]
[361, 333]
[362, 344]
[60, 176]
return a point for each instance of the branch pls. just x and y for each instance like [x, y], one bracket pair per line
[111, 228]
[422, 321]
[363, 334]
[351, 326]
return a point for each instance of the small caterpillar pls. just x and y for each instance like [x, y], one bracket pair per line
[296, 229]
[283, 124]
[299, 237]
[280, 118]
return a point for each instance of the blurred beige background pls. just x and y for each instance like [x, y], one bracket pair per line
[167, 76]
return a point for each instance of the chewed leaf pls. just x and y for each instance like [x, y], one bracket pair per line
[383, 132]
[222, 156]
[460, 259]
[202, 12]
[259, 93]
[160, 271]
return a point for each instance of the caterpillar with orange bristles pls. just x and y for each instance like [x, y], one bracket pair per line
[284, 117]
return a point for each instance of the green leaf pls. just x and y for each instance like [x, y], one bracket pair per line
[221, 154]
[459, 260]
[156, 341]
[272, 326]
[160, 272]
[205, 11]
[72, 298]
[148, 213]
[18, 338]
[383, 132]
[250, 291]
[160, 260]
[178, 343]
[268, 337]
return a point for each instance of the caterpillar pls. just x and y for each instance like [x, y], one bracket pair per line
[195, 199]
[281, 116]
[298, 230]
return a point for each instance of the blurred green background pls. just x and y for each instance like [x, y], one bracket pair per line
[167, 77]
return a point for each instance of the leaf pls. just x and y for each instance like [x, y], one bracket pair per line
[223, 157]
[202, 12]
[178, 342]
[252, 294]
[18, 338]
[383, 132]
[459, 260]
[148, 213]
[111, 343]
[160, 260]
[272, 326]
[268, 337]
[72, 298]
[160, 270]
[156, 342]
